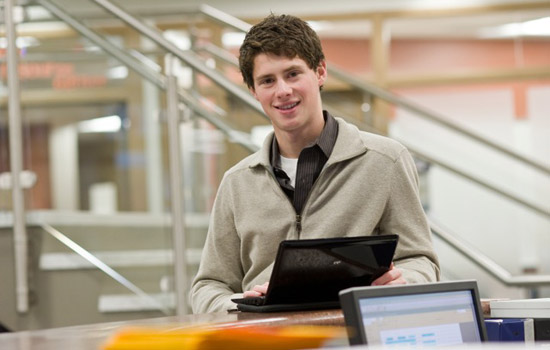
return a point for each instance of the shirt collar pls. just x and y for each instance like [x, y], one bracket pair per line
[325, 141]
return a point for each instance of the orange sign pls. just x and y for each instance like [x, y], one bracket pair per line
[61, 74]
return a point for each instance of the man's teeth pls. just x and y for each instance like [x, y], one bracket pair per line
[289, 106]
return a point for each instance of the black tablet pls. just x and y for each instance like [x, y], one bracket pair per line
[309, 273]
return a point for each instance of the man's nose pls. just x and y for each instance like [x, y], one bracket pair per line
[283, 89]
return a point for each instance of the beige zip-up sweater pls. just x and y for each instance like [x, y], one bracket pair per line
[369, 186]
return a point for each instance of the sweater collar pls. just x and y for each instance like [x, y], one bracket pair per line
[325, 141]
[348, 145]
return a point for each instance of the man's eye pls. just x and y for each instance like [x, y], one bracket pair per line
[266, 81]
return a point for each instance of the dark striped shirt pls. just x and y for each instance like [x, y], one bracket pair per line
[310, 163]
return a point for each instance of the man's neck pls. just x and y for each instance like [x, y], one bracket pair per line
[292, 143]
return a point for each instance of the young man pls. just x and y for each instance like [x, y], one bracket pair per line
[316, 176]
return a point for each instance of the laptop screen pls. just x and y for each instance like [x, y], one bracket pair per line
[416, 315]
[425, 319]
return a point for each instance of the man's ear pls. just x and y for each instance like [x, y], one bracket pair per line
[322, 72]
[253, 92]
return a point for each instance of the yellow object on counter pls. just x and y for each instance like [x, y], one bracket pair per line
[242, 338]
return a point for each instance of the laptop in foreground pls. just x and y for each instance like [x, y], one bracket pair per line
[442, 313]
[309, 273]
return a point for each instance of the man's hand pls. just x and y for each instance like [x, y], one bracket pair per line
[257, 290]
[392, 276]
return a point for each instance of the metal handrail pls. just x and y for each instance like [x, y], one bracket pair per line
[146, 72]
[187, 57]
[123, 56]
[16, 163]
[224, 18]
[432, 116]
[486, 263]
[534, 207]
[69, 243]
[177, 207]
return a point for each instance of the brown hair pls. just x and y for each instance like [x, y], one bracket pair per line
[283, 35]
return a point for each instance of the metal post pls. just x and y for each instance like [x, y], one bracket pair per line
[178, 221]
[153, 141]
[16, 163]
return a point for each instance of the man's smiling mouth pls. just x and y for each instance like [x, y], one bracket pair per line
[287, 107]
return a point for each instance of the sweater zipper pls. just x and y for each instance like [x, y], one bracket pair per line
[298, 216]
[298, 224]
[311, 190]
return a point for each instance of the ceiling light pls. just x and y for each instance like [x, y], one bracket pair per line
[21, 42]
[119, 72]
[320, 25]
[232, 39]
[536, 27]
[110, 123]
[179, 38]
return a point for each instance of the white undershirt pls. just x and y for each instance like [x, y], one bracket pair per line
[289, 166]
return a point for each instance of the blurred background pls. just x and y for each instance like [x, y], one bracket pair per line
[120, 118]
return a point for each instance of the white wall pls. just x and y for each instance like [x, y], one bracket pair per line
[513, 236]
[64, 176]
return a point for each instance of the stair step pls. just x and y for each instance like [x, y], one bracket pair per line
[115, 259]
[132, 303]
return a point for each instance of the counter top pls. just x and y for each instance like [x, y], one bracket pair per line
[91, 337]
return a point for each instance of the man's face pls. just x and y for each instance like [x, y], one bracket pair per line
[288, 91]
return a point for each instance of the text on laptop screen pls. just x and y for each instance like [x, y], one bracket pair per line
[442, 318]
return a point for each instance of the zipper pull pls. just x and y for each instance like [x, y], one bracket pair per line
[298, 223]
